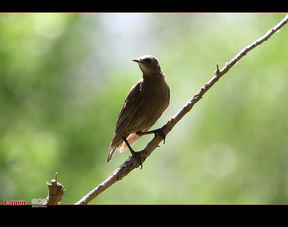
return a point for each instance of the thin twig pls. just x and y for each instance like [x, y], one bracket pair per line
[132, 163]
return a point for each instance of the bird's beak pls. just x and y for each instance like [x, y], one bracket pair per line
[136, 60]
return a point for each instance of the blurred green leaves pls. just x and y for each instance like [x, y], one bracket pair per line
[64, 77]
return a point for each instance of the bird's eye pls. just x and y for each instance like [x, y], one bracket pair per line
[147, 60]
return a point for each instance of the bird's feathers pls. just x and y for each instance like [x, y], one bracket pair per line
[132, 103]
[143, 106]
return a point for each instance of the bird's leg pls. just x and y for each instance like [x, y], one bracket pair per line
[158, 131]
[135, 154]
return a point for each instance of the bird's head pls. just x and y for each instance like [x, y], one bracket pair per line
[148, 64]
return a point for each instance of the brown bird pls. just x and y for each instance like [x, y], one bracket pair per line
[143, 106]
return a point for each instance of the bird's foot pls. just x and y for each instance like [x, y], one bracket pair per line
[158, 131]
[135, 154]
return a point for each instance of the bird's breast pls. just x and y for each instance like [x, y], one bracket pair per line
[155, 101]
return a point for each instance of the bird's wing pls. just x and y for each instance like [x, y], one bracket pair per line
[132, 103]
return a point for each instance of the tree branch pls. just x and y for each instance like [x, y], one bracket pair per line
[55, 192]
[132, 163]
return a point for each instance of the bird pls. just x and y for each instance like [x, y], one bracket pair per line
[143, 106]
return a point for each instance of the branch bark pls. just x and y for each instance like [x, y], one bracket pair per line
[131, 163]
[55, 192]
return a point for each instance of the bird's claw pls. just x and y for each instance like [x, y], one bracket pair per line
[160, 132]
[138, 157]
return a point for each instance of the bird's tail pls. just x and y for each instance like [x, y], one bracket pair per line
[111, 152]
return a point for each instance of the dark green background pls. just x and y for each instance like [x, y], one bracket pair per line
[64, 77]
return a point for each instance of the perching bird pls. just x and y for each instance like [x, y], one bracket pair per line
[143, 106]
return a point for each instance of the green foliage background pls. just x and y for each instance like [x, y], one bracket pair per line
[64, 77]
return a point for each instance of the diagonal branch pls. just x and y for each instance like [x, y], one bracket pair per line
[132, 163]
